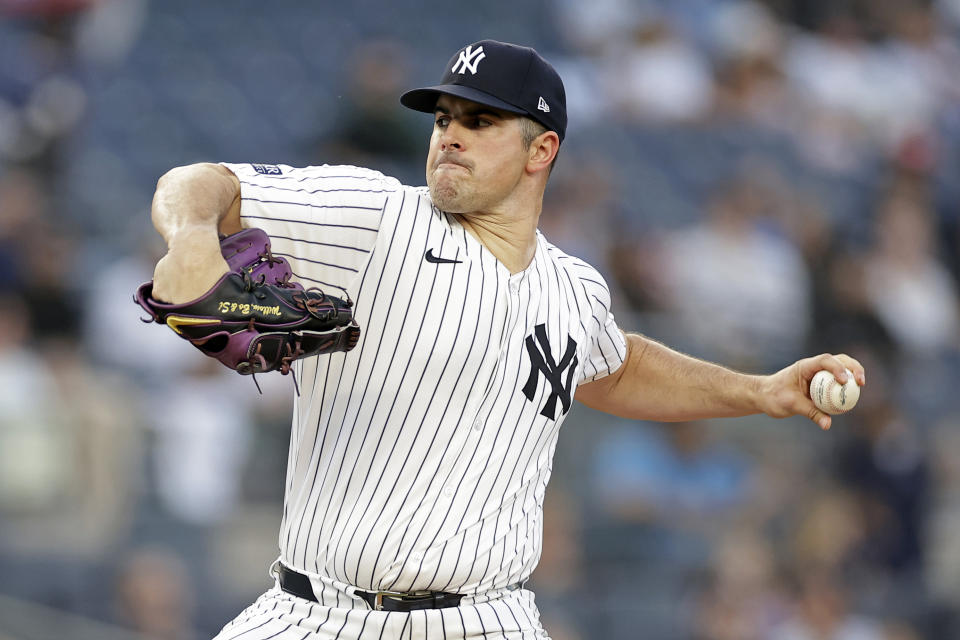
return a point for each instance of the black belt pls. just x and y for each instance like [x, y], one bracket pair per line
[297, 584]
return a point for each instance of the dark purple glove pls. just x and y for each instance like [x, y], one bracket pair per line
[254, 319]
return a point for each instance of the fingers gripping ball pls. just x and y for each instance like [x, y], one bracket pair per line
[832, 397]
[254, 319]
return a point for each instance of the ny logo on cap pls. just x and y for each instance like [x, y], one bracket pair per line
[543, 106]
[468, 60]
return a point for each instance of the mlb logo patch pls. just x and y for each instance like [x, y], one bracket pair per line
[266, 169]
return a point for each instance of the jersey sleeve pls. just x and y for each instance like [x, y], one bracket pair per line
[608, 346]
[324, 220]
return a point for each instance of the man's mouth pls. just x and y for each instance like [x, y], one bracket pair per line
[450, 162]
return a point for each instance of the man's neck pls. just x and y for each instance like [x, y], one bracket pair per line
[513, 242]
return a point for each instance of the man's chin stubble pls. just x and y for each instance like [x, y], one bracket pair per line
[444, 198]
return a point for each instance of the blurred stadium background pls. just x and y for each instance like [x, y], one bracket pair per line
[756, 180]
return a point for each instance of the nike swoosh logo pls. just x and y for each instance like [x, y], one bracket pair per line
[434, 259]
[175, 322]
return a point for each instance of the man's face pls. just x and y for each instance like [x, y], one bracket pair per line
[476, 156]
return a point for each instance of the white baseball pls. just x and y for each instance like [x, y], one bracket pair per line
[832, 397]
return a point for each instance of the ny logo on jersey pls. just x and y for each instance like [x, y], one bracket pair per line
[541, 361]
[468, 60]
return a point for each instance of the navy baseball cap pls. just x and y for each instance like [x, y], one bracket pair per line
[501, 75]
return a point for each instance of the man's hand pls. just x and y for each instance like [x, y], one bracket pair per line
[787, 392]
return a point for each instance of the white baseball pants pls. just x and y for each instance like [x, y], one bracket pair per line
[277, 615]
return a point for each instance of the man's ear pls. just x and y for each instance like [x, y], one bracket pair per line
[543, 150]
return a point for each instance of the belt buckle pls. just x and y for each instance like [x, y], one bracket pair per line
[378, 598]
[399, 595]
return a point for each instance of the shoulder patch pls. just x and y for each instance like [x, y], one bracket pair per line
[266, 169]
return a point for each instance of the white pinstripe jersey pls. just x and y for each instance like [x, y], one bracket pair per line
[419, 460]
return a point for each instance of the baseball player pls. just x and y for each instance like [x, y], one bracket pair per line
[421, 451]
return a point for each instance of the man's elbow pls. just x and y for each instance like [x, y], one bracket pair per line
[198, 172]
[197, 193]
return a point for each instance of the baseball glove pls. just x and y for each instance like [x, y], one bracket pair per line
[254, 319]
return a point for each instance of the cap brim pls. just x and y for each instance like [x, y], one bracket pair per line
[425, 99]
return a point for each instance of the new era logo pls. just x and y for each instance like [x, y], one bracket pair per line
[468, 60]
[543, 106]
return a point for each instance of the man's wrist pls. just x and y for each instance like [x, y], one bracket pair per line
[756, 394]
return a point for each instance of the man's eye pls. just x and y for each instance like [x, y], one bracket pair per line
[442, 122]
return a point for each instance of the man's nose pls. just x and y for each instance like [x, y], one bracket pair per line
[450, 138]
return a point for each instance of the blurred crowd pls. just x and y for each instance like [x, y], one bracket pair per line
[757, 181]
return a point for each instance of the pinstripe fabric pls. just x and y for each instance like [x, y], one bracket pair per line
[279, 616]
[419, 460]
